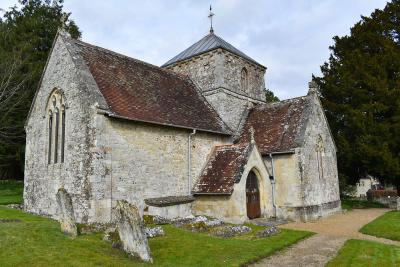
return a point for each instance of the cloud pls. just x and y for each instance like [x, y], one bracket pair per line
[290, 37]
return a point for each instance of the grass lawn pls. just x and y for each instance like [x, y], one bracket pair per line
[37, 241]
[366, 253]
[11, 192]
[350, 204]
[387, 226]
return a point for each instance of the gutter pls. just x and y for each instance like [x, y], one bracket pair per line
[273, 184]
[112, 115]
[279, 153]
[190, 161]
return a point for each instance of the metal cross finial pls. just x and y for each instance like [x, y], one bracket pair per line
[211, 17]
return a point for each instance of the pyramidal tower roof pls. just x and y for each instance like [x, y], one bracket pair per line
[208, 43]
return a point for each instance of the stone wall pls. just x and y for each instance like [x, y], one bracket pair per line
[232, 208]
[138, 161]
[307, 185]
[42, 180]
[172, 212]
[222, 69]
[218, 74]
[288, 196]
[230, 106]
[317, 162]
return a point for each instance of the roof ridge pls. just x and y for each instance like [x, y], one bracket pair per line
[166, 71]
[272, 104]
[166, 85]
[204, 45]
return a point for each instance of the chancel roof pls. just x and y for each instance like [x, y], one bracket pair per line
[223, 169]
[279, 126]
[208, 43]
[139, 91]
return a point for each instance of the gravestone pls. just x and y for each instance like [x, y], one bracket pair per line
[66, 215]
[131, 230]
[398, 204]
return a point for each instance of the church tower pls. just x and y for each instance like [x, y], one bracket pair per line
[230, 80]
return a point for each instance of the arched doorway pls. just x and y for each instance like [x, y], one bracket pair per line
[252, 196]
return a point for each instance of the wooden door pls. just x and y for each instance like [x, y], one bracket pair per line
[252, 196]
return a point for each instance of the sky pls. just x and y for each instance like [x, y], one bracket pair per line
[291, 37]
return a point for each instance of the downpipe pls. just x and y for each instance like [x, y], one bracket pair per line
[190, 161]
[273, 184]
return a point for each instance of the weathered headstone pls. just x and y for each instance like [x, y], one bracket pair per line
[131, 230]
[66, 216]
[398, 203]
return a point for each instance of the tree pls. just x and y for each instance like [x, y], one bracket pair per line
[360, 92]
[26, 36]
[270, 97]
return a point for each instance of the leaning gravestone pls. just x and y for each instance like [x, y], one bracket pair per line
[66, 216]
[131, 231]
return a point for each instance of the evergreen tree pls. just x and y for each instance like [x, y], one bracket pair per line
[26, 36]
[360, 91]
[270, 97]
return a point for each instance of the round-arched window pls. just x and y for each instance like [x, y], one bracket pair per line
[244, 83]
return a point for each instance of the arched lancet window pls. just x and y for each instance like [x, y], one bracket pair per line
[56, 132]
[62, 132]
[320, 149]
[50, 136]
[56, 127]
[244, 80]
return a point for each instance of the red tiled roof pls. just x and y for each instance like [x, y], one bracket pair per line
[277, 126]
[223, 169]
[139, 91]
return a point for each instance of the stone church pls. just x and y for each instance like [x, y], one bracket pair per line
[194, 136]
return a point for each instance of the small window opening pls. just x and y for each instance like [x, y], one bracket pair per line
[50, 136]
[57, 116]
[62, 133]
[244, 80]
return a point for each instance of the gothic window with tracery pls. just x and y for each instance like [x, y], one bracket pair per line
[244, 83]
[56, 127]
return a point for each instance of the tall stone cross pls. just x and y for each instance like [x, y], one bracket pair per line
[211, 18]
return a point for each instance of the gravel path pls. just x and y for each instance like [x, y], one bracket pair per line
[332, 232]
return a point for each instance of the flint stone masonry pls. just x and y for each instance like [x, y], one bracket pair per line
[136, 161]
[66, 216]
[222, 69]
[64, 72]
[111, 157]
[217, 73]
[320, 180]
[154, 231]
[232, 207]
[307, 184]
[131, 231]
[398, 204]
